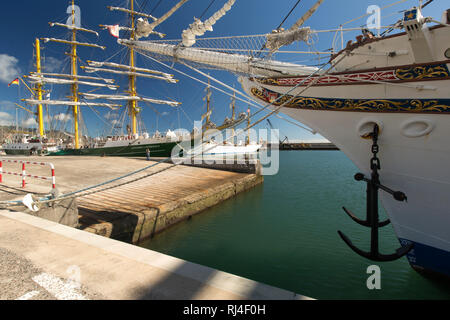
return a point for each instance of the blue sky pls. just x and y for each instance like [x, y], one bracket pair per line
[23, 20]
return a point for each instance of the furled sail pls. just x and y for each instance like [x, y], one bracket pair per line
[307, 15]
[199, 28]
[42, 80]
[129, 73]
[97, 64]
[129, 98]
[132, 12]
[110, 81]
[74, 43]
[107, 27]
[231, 62]
[144, 28]
[70, 103]
[71, 27]
[142, 24]
[280, 38]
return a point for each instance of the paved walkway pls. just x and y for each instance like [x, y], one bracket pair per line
[40, 259]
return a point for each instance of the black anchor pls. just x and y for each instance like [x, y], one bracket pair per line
[372, 220]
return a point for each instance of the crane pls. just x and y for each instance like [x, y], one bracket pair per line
[285, 138]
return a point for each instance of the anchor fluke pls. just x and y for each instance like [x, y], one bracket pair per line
[353, 247]
[384, 223]
[364, 223]
[376, 256]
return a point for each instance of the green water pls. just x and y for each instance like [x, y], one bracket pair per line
[284, 234]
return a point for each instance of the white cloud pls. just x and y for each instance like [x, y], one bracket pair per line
[29, 123]
[6, 119]
[52, 65]
[63, 117]
[9, 69]
[110, 115]
[165, 114]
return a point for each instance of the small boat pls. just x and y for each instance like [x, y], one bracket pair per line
[26, 145]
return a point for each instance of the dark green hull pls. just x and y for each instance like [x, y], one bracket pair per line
[156, 150]
[21, 152]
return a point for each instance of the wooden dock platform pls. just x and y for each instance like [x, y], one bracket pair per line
[139, 206]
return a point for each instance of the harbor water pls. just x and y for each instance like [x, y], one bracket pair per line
[284, 233]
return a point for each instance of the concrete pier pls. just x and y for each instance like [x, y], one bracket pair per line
[52, 261]
[305, 146]
[137, 207]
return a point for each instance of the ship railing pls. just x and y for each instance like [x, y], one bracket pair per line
[24, 174]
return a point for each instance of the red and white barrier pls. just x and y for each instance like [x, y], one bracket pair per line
[24, 174]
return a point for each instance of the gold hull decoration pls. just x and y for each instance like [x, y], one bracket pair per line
[361, 105]
[423, 72]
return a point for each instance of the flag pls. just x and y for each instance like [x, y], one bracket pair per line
[114, 30]
[248, 111]
[16, 82]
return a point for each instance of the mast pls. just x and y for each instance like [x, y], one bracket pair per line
[208, 105]
[248, 126]
[74, 73]
[39, 89]
[233, 114]
[131, 71]
[17, 120]
[132, 86]
[39, 78]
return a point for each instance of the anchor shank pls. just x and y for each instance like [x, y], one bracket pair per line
[374, 218]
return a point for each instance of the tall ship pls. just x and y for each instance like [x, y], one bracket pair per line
[26, 143]
[383, 100]
[231, 145]
[133, 143]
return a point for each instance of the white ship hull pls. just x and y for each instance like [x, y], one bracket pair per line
[411, 105]
[213, 149]
[231, 149]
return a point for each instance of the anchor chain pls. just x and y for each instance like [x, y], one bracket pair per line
[372, 216]
[375, 164]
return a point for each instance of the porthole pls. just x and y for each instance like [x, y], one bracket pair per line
[447, 53]
[416, 128]
[366, 126]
